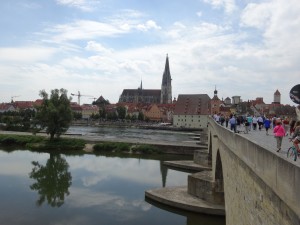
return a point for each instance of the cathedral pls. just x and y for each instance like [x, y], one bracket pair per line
[150, 96]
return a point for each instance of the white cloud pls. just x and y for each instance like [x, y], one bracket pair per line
[150, 24]
[26, 54]
[97, 47]
[257, 15]
[84, 5]
[176, 31]
[84, 29]
[89, 29]
[279, 24]
[228, 5]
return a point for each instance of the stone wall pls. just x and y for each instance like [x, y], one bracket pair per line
[248, 200]
[259, 187]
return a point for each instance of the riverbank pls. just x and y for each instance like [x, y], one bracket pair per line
[183, 148]
[139, 125]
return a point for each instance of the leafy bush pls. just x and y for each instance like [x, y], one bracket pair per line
[146, 149]
[10, 139]
[109, 147]
[106, 147]
[123, 147]
[58, 144]
[39, 143]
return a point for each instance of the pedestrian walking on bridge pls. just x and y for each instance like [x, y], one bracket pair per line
[267, 124]
[279, 133]
[232, 123]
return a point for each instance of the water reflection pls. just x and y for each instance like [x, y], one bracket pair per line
[88, 189]
[52, 180]
[164, 173]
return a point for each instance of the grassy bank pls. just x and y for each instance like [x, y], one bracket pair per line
[76, 146]
[39, 143]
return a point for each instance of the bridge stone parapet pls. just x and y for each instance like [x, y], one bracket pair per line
[260, 186]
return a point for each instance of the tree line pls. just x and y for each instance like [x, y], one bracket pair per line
[55, 115]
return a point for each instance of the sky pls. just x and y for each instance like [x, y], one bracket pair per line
[247, 48]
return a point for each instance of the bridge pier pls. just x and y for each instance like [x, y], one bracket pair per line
[202, 194]
[204, 187]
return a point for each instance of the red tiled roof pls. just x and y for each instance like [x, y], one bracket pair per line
[197, 104]
[23, 104]
[5, 106]
[38, 102]
[216, 98]
[89, 107]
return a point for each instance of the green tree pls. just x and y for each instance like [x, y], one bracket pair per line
[55, 114]
[102, 112]
[77, 116]
[141, 116]
[26, 115]
[128, 117]
[95, 116]
[133, 117]
[121, 110]
[112, 116]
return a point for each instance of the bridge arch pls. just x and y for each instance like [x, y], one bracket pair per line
[219, 181]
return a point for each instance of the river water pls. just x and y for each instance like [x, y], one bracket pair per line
[54, 189]
[135, 135]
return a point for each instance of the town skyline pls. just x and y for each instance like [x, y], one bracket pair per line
[75, 99]
[102, 47]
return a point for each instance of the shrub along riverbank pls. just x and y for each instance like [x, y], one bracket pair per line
[41, 143]
[125, 147]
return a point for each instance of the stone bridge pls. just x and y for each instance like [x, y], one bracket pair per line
[244, 174]
[259, 185]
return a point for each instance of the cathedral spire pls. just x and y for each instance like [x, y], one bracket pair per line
[167, 74]
[166, 86]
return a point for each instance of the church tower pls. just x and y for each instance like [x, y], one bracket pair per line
[215, 102]
[277, 96]
[166, 86]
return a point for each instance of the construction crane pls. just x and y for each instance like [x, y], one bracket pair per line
[12, 98]
[79, 96]
[93, 98]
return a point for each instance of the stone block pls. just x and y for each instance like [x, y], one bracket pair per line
[202, 186]
[202, 157]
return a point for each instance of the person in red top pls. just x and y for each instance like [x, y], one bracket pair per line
[279, 133]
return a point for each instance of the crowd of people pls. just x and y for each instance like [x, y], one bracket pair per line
[281, 126]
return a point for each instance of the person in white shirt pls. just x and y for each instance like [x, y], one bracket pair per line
[254, 122]
[260, 121]
[217, 118]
